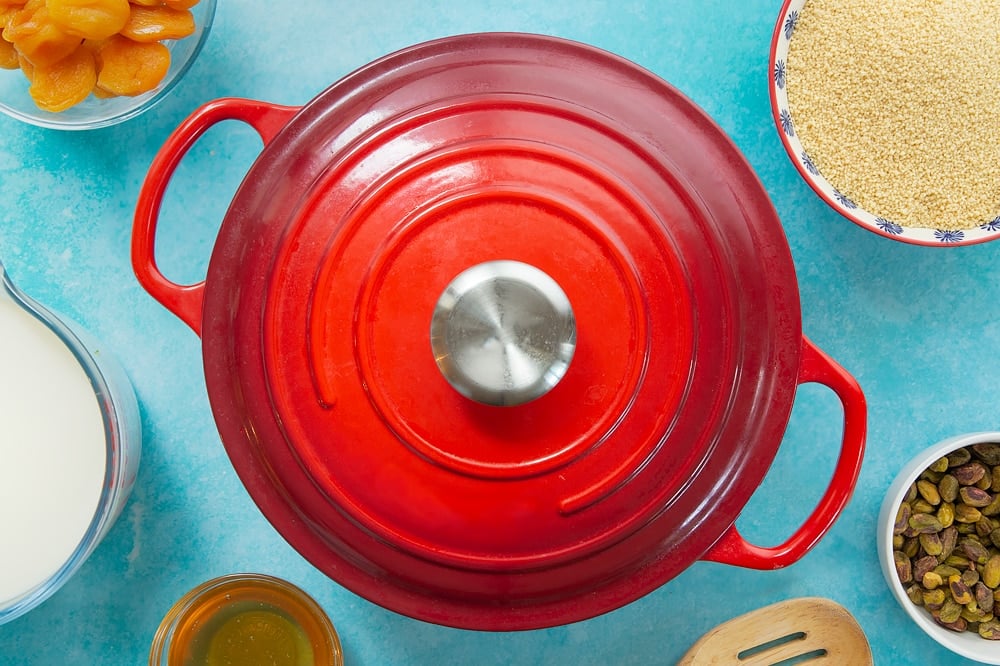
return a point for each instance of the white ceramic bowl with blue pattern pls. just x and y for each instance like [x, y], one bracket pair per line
[784, 32]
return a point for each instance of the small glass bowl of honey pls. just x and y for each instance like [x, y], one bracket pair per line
[246, 619]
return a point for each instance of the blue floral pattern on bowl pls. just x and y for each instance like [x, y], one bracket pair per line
[784, 31]
[809, 164]
[947, 236]
[888, 226]
[791, 20]
[844, 200]
[785, 118]
[779, 73]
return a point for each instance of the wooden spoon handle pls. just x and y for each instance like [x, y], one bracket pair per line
[789, 629]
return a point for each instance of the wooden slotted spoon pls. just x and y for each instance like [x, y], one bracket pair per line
[810, 631]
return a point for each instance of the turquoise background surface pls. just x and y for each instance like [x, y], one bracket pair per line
[918, 327]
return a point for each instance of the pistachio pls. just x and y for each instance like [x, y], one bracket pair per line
[949, 539]
[968, 475]
[990, 630]
[902, 518]
[995, 483]
[970, 577]
[958, 625]
[986, 482]
[975, 551]
[929, 492]
[948, 488]
[959, 590]
[993, 508]
[911, 493]
[988, 452]
[934, 599]
[930, 475]
[923, 565]
[991, 572]
[984, 596]
[946, 514]
[931, 580]
[939, 465]
[959, 457]
[965, 514]
[950, 611]
[973, 496]
[926, 523]
[983, 527]
[972, 613]
[995, 538]
[915, 594]
[920, 505]
[904, 569]
[931, 543]
[911, 546]
[957, 561]
[946, 571]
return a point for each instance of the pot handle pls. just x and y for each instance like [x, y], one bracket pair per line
[817, 367]
[185, 301]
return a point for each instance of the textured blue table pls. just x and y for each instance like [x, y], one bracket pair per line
[918, 327]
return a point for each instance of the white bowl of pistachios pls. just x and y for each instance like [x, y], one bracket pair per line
[939, 543]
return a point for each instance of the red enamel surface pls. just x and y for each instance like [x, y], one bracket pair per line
[317, 309]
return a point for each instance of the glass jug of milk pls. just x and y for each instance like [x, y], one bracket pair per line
[70, 439]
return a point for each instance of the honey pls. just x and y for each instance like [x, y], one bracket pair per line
[243, 620]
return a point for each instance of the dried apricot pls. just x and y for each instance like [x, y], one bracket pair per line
[22, 13]
[6, 14]
[91, 19]
[8, 55]
[26, 67]
[56, 43]
[154, 24]
[37, 38]
[64, 84]
[127, 67]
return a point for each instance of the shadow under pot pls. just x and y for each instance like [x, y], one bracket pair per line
[494, 325]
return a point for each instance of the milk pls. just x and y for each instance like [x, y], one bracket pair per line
[53, 453]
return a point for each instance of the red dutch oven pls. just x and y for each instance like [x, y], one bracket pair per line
[633, 354]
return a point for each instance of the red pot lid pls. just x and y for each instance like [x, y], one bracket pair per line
[349, 228]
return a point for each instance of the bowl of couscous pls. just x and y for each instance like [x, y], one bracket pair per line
[888, 111]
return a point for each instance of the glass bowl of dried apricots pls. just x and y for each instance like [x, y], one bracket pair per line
[84, 64]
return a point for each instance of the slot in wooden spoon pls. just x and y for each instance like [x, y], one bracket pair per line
[807, 631]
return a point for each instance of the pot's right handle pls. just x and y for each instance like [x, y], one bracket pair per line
[817, 367]
[185, 301]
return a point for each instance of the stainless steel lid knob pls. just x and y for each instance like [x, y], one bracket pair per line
[503, 333]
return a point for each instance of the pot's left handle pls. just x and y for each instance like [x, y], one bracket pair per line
[185, 301]
[817, 367]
